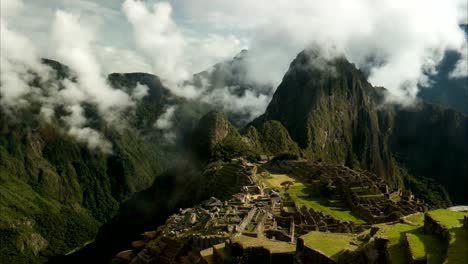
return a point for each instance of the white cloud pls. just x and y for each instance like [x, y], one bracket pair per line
[178, 38]
[249, 104]
[140, 91]
[409, 38]
[175, 54]
[165, 123]
[10, 7]
[461, 68]
[20, 65]
[159, 37]
[74, 48]
[18, 58]
[77, 129]
[121, 60]
[92, 138]
[165, 120]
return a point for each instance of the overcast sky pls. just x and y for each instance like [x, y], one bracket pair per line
[398, 42]
[175, 39]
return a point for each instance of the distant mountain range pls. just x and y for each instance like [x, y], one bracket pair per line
[56, 192]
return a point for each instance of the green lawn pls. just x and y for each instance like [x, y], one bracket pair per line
[421, 245]
[414, 219]
[396, 245]
[309, 197]
[447, 218]
[273, 246]
[457, 251]
[329, 244]
[275, 180]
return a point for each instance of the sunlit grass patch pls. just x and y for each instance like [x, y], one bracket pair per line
[422, 245]
[329, 244]
[396, 245]
[275, 180]
[309, 196]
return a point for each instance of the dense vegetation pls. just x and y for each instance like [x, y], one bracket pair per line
[56, 192]
[336, 116]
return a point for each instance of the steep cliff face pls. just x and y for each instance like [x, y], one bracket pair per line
[55, 190]
[60, 187]
[336, 116]
[211, 130]
[58, 175]
[215, 138]
[329, 109]
[272, 138]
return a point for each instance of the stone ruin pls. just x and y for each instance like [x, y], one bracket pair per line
[317, 221]
[230, 179]
[250, 209]
[363, 192]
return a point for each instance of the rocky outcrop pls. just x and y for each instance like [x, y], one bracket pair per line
[329, 109]
[211, 130]
[271, 138]
[336, 116]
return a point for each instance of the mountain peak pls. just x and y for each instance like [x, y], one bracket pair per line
[328, 107]
[241, 55]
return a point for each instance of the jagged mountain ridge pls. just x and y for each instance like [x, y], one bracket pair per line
[56, 191]
[40, 162]
[327, 107]
[343, 97]
[336, 116]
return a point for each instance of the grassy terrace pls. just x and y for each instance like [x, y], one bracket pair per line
[397, 251]
[409, 237]
[414, 219]
[275, 180]
[309, 196]
[457, 251]
[422, 245]
[271, 245]
[329, 244]
[446, 218]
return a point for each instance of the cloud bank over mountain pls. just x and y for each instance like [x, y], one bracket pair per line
[398, 43]
[26, 80]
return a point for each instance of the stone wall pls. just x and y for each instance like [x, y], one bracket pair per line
[203, 242]
[246, 220]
